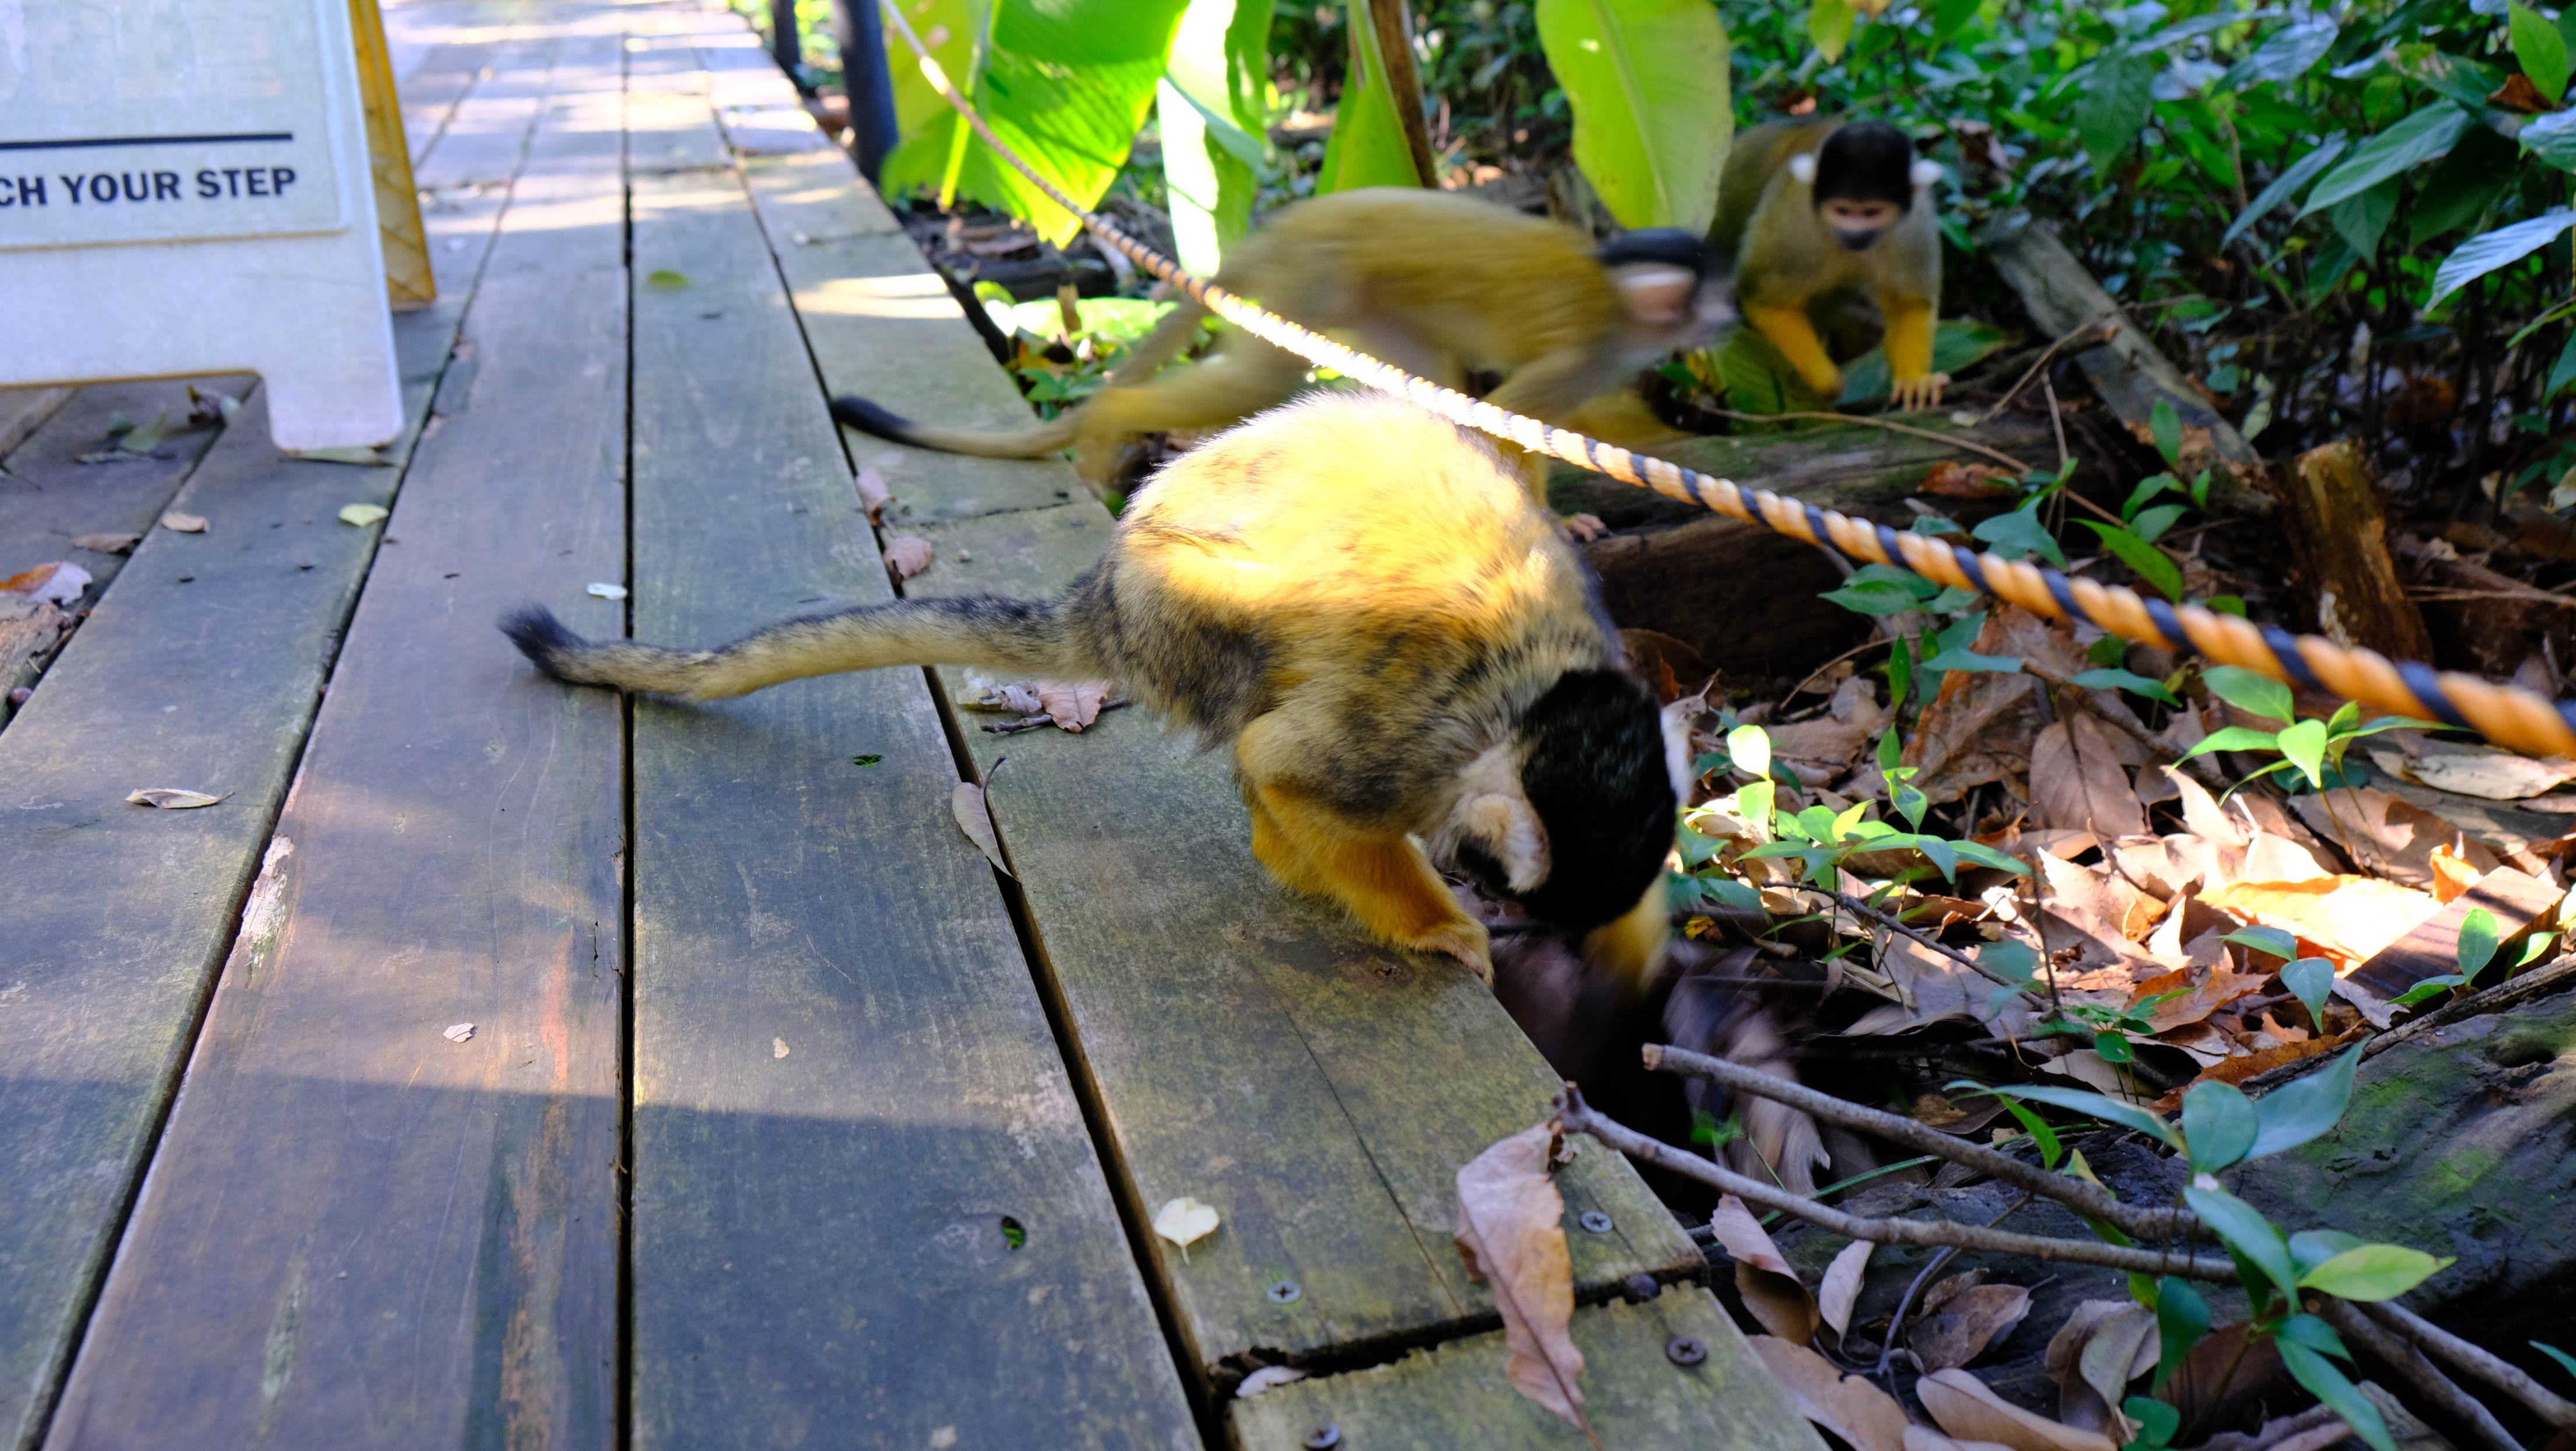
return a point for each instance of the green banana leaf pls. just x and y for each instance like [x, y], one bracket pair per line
[1648, 83]
[1367, 147]
[1211, 102]
[1065, 83]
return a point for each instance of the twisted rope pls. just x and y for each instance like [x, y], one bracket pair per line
[2518, 719]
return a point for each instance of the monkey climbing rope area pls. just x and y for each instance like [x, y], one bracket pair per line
[2518, 719]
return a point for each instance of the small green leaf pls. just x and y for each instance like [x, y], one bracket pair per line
[2151, 524]
[2304, 743]
[2337, 1392]
[666, 279]
[2114, 107]
[1829, 27]
[2271, 941]
[2310, 1248]
[2234, 738]
[2254, 694]
[2246, 1233]
[1966, 659]
[2552, 138]
[2109, 1110]
[1873, 597]
[2166, 426]
[2540, 48]
[2114, 1048]
[2218, 1125]
[1750, 749]
[2182, 1318]
[2009, 960]
[2311, 981]
[2126, 680]
[2428, 988]
[2478, 938]
[2041, 1135]
[1900, 673]
[866, 760]
[1986, 856]
[2019, 533]
[2372, 1272]
[2304, 1108]
[2565, 1361]
[2152, 564]
[2157, 1422]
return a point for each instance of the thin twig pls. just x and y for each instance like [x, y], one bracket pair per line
[2425, 1376]
[2056, 419]
[2080, 1195]
[1921, 937]
[2097, 324]
[2537, 596]
[1952, 439]
[2493, 1369]
[1032, 722]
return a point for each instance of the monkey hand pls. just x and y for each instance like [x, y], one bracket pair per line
[1921, 391]
[1463, 940]
[1583, 528]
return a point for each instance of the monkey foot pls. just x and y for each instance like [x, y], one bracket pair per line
[1922, 392]
[1583, 528]
[1463, 940]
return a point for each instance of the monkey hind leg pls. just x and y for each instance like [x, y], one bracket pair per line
[1789, 330]
[1381, 877]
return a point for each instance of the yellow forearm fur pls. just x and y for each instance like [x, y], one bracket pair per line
[1788, 330]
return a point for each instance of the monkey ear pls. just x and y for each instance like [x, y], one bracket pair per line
[1677, 744]
[1495, 815]
[1656, 294]
[1924, 173]
[1803, 168]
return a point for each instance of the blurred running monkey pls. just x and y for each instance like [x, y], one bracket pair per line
[1811, 207]
[1432, 282]
[1409, 660]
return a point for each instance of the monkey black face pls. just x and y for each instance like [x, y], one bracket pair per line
[1864, 178]
[1597, 776]
[1663, 281]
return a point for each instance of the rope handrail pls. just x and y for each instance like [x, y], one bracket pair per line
[2519, 719]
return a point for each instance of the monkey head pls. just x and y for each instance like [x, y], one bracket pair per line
[1864, 178]
[1662, 274]
[1573, 816]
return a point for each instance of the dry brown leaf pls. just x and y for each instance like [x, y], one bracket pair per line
[1849, 727]
[1511, 1229]
[2467, 768]
[2103, 1346]
[1770, 1288]
[873, 494]
[2098, 905]
[1969, 1411]
[907, 555]
[2346, 918]
[1185, 1221]
[1924, 1438]
[2387, 835]
[2222, 1376]
[2242, 1066]
[172, 798]
[1072, 704]
[2454, 873]
[966, 804]
[1966, 1323]
[2076, 781]
[1865, 1417]
[106, 543]
[2274, 858]
[58, 583]
[1842, 1285]
[179, 523]
[2204, 991]
[1951, 479]
[457, 1032]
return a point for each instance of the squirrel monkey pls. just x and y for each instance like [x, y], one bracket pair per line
[1812, 206]
[1432, 282]
[1423, 666]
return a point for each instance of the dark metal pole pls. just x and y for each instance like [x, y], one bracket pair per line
[783, 44]
[864, 76]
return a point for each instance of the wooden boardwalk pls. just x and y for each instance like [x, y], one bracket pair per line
[784, 1120]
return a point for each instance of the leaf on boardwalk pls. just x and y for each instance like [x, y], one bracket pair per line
[1511, 1231]
[1965, 1323]
[458, 1032]
[666, 280]
[966, 803]
[1865, 1417]
[1073, 704]
[363, 515]
[178, 523]
[344, 453]
[172, 798]
[106, 543]
[1842, 1285]
[1185, 1221]
[211, 408]
[907, 555]
[57, 584]
[778, 1048]
[1770, 1288]
[1970, 1412]
[606, 591]
[1269, 1377]
[873, 494]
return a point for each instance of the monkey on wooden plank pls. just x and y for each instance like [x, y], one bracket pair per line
[1814, 207]
[1432, 282]
[1404, 652]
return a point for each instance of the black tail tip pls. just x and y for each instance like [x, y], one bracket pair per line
[541, 637]
[866, 417]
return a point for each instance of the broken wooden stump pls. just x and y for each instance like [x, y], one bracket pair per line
[2339, 537]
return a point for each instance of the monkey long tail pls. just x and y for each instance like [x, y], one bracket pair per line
[1038, 637]
[1036, 441]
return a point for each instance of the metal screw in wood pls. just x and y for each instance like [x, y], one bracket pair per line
[1595, 1221]
[1286, 1292]
[1324, 1437]
[1685, 1350]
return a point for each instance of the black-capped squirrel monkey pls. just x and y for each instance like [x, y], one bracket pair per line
[1810, 207]
[1410, 661]
[1433, 282]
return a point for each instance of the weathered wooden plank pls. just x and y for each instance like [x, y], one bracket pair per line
[1635, 1393]
[355, 1231]
[22, 409]
[844, 1080]
[485, 139]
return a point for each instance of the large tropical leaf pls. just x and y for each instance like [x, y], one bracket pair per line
[2552, 138]
[2504, 246]
[1368, 147]
[1647, 80]
[2540, 48]
[2114, 106]
[954, 30]
[2419, 138]
[2285, 55]
[1210, 105]
[1065, 83]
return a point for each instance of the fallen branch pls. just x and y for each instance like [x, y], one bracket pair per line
[2426, 1377]
[1952, 439]
[2493, 1369]
[1573, 1114]
[2082, 1196]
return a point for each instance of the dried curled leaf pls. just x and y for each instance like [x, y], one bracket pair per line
[873, 494]
[605, 591]
[1072, 704]
[907, 555]
[1511, 1230]
[966, 803]
[105, 543]
[1267, 1378]
[1865, 1417]
[55, 584]
[1771, 1289]
[178, 523]
[1185, 1221]
[363, 515]
[458, 1032]
[1842, 1285]
[1967, 1322]
[1969, 1411]
[172, 798]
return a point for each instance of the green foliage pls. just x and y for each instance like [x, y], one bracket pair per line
[1652, 118]
[1212, 104]
[1368, 145]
